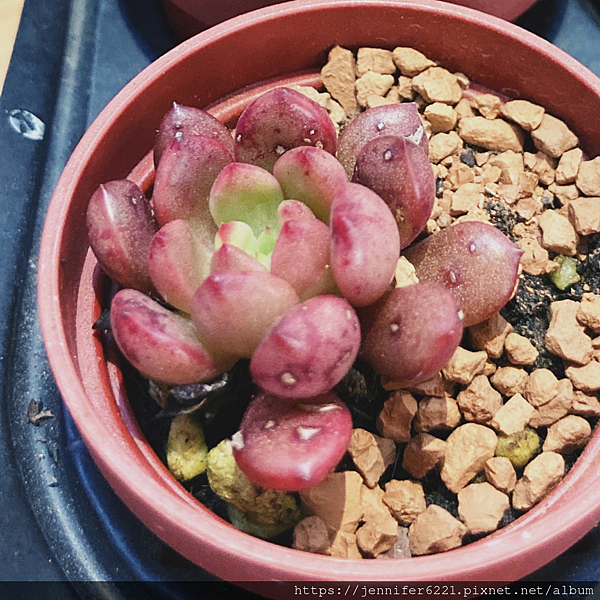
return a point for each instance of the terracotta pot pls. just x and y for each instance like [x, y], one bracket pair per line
[283, 43]
[189, 17]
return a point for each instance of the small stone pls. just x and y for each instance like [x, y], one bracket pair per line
[568, 166]
[553, 137]
[423, 453]
[372, 504]
[410, 62]
[527, 208]
[479, 402]
[436, 84]
[405, 88]
[541, 387]
[520, 350]
[481, 507]
[556, 409]
[437, 413]
[490, 173]
[405, 499]
[567, 435]
[324, 99]
[378, 60]
[564, 193]
[585, 405]
[490, 335]
[464, 365]
[488, 105]
[501, 474]
[442, 145]
[366, 452]
[345, 545]
[511, 166]
[588, 178]
[443, 118]
[544, 167]
[528, 184]
[435, 530]
[584, 213]
[566, 335]
[489, 368]
[464, 109]
[373, 100]
[400, 548]
[467, 197]
[372, 83]
[524, 113]
[375, 537]
[469, 447]
[558, 235]
[311, 535]
[540, 477]
[587, 378]
[535, 258]
[337, 500]
[495, 135]
[405, 273]
[395, 419]
[339, 75]
[510, 380]
[463, 80]
[460, 174]
[513, 416]
[436, 386]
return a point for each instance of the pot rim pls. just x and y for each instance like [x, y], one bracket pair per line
[553, 519]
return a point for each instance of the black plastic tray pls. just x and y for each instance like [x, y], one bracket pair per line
[59, 520]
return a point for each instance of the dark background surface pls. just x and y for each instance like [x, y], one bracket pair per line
[59, 520]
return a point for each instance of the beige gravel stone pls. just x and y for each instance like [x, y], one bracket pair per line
[535, 258]
[410, 62]
[553, 137]
[584, 213]
[467, 197]
[488, 105]
[489, 368]
[544, 167]
[469, 447]
[540, 477]
[568, 166]
[479, 402]
[423, 453]
[490, 335]
[513, 415]
[495, 135]
[436, 386]
[520, 350]
[490, 173]
[557, 408]
[311, 535]
[586, 378]
[567, 435]
[564, 193]
[588, 311]
[527, 208]
[371, 455]
[481, 507]
[464, 109]
[501, 474]
[541, 387]
[378, 60]
[460, 174]
[373, 100]
[400, 548]
[435, 530]
[585, 405]
[337, 500]
[405, 88]
[464, 365]
[339, 75]
[405, 273]
[372, 83]
[510, 380]
[528, 185]
[375, 537]
[443, 118]
[437, 413]
[345, 545]
[511, 166]
[395, 420]
[405, 499]
[566, 335]
[558, 235]
[588, 177]
[436, 84]
[442, 145]
[372, 504]
[524, 113]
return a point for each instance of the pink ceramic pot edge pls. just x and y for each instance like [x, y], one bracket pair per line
[509, 554]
